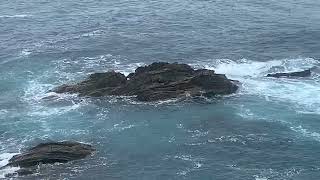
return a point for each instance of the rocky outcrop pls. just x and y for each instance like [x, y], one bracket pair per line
[158, 81]
[49, 153]
[306, 73]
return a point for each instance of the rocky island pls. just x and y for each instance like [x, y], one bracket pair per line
[158, 81]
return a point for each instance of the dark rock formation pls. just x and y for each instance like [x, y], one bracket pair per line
[49, 153]
[158, 81]
[306, 73]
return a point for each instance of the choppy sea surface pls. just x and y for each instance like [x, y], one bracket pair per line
[269, 130]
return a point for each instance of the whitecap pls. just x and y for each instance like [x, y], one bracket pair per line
[266, 174]
[15, 16]
[122, 126]
[196, 163]
[3, 111]
[306, 133]
[240, 139]
[92, 33]
[46, 112]
[198, 133]
[261, 178]
[25, 52]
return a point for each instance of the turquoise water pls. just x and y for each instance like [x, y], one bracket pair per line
[269, 130]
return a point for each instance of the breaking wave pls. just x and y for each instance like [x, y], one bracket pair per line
[303, 93]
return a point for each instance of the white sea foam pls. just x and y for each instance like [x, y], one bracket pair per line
[36, 94]
[266, 174]
[36, 90]
[99, 63]
[25, 52]
[195, 162]
[15, 16]
[306, 133]
[300, 94]
[261, 178]
[7, 170]
[303, 93]
[244, 67]
[4, 160]
[45, 112]
[92, 33]
[3, 111]
[123, 127]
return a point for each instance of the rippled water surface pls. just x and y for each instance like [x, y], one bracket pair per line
[269, 130]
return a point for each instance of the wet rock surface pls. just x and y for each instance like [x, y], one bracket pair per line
[49, 153]
[305, 73]
[158, 81]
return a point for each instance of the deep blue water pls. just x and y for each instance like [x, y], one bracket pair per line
[269, 130]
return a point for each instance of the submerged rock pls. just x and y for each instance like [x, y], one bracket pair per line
[49, 153]
[158, 81]
[306, 73]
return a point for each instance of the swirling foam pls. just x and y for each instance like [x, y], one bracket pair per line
[252, 76]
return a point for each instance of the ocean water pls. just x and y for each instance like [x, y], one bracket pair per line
[269, 130]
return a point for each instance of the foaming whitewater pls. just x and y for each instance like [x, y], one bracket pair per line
[303, 93]
[306, 133]
[4, 160]
[37, 94]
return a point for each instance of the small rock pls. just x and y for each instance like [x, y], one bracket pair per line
[49, 153]
[306, 73]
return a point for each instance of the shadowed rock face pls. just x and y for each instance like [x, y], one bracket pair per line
[48, 153]
[306, 73]
[158, 81]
